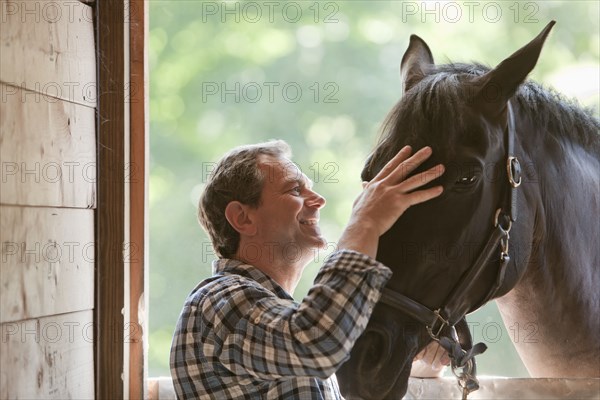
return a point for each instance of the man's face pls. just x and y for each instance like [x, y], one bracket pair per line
[288, 215]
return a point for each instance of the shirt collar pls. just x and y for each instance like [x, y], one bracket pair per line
[226, 266]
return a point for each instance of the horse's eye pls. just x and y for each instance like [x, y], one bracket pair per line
[466, 180]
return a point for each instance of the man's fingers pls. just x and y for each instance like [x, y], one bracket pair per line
[400, 157]
[405, 168]
[421, 196]
[422, 178]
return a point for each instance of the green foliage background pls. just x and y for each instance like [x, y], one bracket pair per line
[344, 57]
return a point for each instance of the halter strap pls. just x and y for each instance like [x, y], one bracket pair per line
[513, 167]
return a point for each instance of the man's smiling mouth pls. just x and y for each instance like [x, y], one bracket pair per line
[311, 221]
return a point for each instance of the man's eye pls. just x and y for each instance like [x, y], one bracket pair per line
[296, 190]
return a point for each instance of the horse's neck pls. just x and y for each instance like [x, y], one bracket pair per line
[561, 199]
[555, 306]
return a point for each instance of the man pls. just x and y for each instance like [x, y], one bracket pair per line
[240, 334]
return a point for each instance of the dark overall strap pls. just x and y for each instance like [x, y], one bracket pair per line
[457, 304]
[407, 305]
[513, 167]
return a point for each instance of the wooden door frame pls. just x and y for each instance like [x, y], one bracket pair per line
[139, 233]
[121, 215]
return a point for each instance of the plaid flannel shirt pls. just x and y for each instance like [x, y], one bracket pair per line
[241, 336]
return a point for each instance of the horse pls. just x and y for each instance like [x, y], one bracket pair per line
[517, 221]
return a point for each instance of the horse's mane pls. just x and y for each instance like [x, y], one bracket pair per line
[439, 97]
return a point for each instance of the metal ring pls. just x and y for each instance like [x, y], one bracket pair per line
[467, 371]
[497, 222]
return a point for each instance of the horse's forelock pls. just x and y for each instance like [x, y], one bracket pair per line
[430, 113]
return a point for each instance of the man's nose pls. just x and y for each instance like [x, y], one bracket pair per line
[314, 199]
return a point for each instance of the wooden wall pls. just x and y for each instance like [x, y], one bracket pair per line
[47, 200]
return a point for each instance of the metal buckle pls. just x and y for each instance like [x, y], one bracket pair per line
[438, 317]
[513, 168]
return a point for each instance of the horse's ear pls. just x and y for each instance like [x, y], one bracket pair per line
[416, 61]
[492, 90]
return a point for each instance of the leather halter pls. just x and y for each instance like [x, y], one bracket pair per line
[440, 323]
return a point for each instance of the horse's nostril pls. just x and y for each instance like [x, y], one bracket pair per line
[376, 351]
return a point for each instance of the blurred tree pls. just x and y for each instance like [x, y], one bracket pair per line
[322, 76]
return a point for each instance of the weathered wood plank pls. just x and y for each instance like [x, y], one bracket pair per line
[47, 152]
[48, 47]
[48, 358]
[47, 263]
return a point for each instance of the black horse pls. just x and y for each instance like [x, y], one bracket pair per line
[535, 247]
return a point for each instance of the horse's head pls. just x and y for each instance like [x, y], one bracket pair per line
[462, 112]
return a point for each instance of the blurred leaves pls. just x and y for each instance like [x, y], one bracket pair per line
[225, 74]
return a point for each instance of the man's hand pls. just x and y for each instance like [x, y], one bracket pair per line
[430, 362]
[386, 197]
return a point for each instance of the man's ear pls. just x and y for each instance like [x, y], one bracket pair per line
[238, 216]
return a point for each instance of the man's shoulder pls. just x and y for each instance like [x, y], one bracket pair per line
[223, 287]
[223, 301]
